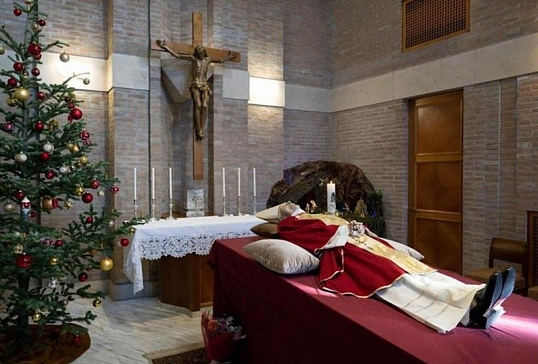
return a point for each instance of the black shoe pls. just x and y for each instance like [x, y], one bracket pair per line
[509, 282]
[487, 298]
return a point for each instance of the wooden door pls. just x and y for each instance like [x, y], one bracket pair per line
[435, 179]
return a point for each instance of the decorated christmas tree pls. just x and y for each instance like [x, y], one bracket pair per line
[46, 168]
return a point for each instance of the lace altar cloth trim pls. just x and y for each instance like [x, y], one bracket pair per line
[179, 246]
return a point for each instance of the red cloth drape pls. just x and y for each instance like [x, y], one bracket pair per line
[347, 269]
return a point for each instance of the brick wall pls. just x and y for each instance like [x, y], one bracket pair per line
[367, 35]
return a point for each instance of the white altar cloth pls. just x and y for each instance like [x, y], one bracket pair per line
[180, 237]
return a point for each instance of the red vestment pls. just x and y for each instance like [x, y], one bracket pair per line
[346, 269]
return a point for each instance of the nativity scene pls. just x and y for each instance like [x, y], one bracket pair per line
[259, 182]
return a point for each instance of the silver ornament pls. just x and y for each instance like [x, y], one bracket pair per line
[21, 157]
[53, 283]
[48, 147]
[64, 169]
[100, 193]
[2, 49]
[64, 57]
[18, 249]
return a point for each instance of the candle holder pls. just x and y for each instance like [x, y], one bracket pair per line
[170, 214]
[152, 210]
[254, 204]
[135, 208]
[224, 212]
[239, 205]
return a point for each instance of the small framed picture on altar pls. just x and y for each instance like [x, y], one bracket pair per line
[195, 203]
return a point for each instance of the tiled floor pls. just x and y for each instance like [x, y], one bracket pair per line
[125, 330]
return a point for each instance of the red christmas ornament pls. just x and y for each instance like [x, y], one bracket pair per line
[50, 174]
[39, 126]
[87, 142]
[41, 95]
[114, 189]
[67, 99]
[58, 243]
[34, 49]
[32, 214]
[36, 72]
[44, 156]
[24, 261]
[8, 127]
[83, 277]
[41, 22]
[12, 82]
[76, 339]
[89, 220]
[124, 242]
[71, 105]
[37, 57]
[94, 184]
[19, 195]
[84, 134]
[76, 114]
[17, 12]
[18, 66]
[87, 197]
[55, 203]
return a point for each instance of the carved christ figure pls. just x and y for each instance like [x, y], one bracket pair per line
[199, 87]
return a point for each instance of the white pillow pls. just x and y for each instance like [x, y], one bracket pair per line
[405, 249]
[270, 214]
[282, 256]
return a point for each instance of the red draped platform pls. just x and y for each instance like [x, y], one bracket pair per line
[288, 319]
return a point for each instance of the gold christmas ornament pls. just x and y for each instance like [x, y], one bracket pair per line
[107, 264]
[86, 81]
[111, 223]
[9, 206]
[2, 49]
[36, 317]
[18, 249]
[54, 261]
[97, 302]
[68, 204]
[21, 94]
[132, 230]
[79, 190]
[11, 102]
[36, 27]
[47, 203]
[83, 159]
[53, 124]
[73, 147]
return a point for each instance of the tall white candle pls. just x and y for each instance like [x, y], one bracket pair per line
[134, 181]
[238, 181]
[254, 181]
[331, 198]
[223, 182]
[170, 181]
[153, 183]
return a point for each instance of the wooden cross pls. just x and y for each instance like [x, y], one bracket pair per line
[214, 54]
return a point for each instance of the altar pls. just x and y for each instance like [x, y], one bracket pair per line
[181, 245]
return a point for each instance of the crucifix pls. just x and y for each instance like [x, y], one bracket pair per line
[201, 58]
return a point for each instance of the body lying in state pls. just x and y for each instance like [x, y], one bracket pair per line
[366, 265]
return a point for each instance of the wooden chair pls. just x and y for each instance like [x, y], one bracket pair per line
[504, 253]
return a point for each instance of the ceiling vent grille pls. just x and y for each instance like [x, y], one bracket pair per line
[429, 21]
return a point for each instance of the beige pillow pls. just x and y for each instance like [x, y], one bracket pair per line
[266, 230]
[282, 256]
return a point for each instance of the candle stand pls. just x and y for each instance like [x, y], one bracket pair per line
[152, 210]
[224, 212]
[239, 206]
[170, 214]
[135, 208]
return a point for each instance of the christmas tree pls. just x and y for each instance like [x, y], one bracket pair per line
[45, 168]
